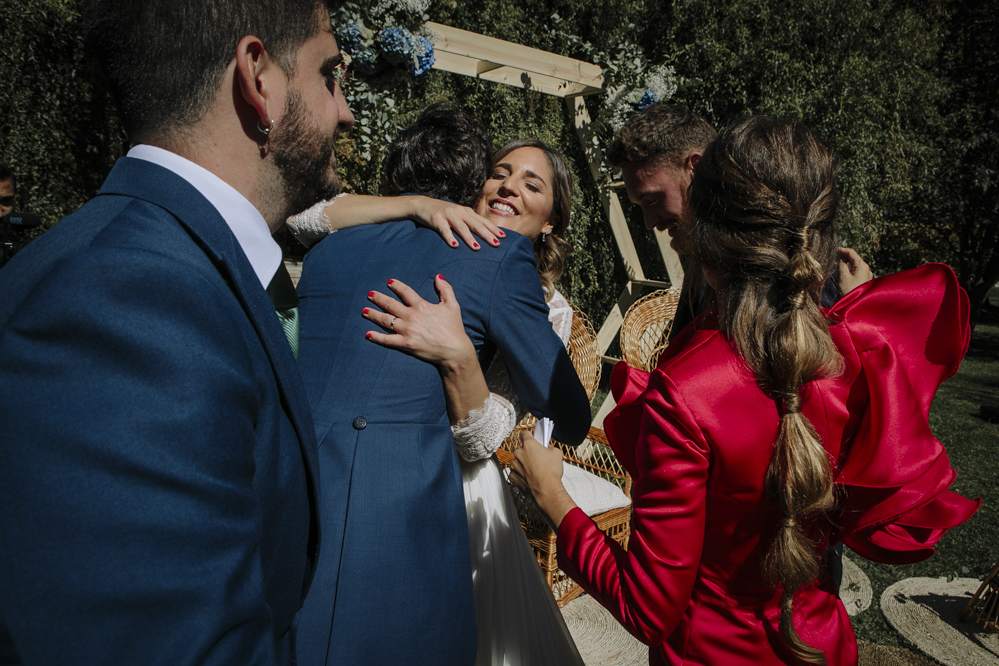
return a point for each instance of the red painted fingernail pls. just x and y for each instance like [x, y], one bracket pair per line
[454, 243]
[365, 311]
[367, 335]
[370, 294]
[502, 235]
[475, 245]
[391, 281]
[440, 276]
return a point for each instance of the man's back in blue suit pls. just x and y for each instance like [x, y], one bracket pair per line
[394, 581]
[156, 467]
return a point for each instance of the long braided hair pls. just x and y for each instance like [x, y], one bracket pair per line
[765, 201]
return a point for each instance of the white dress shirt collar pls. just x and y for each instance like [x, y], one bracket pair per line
[245, 221]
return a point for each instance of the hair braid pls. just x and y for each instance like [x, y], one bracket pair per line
[765, 204]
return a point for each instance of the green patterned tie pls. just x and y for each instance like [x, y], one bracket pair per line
[282, 294]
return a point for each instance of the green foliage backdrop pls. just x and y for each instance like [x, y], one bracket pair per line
[904, 91]
[59, 131]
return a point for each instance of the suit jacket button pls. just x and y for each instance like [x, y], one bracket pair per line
[360, 423]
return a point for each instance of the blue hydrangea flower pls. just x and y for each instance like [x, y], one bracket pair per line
[364, 60]
[398, 44]
[648, 99]
[349, 36]
[424, 56]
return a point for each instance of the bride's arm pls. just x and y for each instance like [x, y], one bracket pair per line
[353, 210]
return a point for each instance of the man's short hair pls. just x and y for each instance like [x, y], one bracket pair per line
[164, 60]
[6, 174]
[661, 134]
[444, 154]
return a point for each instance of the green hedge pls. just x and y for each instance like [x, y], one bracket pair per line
[902, 91]
[59, 131]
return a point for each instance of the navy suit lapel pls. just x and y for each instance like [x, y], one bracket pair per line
[150, 182]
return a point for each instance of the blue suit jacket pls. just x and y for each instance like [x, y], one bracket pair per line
[394, 583]
[157, 500]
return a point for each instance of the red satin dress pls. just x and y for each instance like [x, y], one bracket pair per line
[696, 435]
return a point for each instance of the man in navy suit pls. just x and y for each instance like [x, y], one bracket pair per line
[394, 583]
[158, 488]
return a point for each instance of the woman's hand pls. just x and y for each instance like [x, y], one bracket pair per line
[432, 333]
[853, 271]
[445, 217]
[537, 470]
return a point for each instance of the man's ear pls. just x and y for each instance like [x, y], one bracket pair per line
[693, 157]
[254, 68]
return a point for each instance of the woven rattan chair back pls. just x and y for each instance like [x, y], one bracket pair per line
[594, 456]
[646, 326]
[984, 605]
[583, 352]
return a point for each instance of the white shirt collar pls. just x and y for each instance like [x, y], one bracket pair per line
[245, 221]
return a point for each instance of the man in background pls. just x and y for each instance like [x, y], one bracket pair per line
[7, 189]
[157, 473]
[657, 150]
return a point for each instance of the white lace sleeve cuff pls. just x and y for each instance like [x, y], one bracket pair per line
[480, 434]
[311, 226]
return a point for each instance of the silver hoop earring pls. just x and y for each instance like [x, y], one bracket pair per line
[265, 130]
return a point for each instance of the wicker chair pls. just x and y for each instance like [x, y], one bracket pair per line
[646, 327]
[594, 456]
[984, 605]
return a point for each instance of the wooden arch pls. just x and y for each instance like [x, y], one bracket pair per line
[491, 59]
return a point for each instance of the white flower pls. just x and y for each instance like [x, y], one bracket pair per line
[662, 81]
[617, 106]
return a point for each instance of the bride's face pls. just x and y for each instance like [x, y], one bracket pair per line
[518, 194]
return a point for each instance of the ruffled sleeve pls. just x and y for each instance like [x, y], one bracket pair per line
[909, 332]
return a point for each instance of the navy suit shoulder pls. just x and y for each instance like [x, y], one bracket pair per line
[157, 489]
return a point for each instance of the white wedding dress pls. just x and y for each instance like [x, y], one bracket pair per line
[518, 620]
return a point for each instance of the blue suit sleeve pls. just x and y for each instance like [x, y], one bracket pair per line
[539, 367]
[129, 528]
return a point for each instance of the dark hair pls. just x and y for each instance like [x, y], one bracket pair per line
[7, 174]
[764, 200]
[550, 251]
[661, 134]
[444, 154]
[164, 60]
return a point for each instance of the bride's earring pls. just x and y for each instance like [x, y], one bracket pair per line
[544, 236]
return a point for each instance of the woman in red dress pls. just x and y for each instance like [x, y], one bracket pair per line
[771, 428]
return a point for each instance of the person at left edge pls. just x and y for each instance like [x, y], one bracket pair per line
[157, 473]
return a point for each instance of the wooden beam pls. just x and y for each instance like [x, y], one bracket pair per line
[480, 47]
[605, 336]
[605, 408]
[511, 76]
[519, 78]
[612, 205]
[672, 260]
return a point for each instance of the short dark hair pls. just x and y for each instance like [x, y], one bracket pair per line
[661, 134]
[7, 174]
[444, 154]
[164, 60]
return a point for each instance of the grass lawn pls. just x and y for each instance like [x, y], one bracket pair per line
[972, 549]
